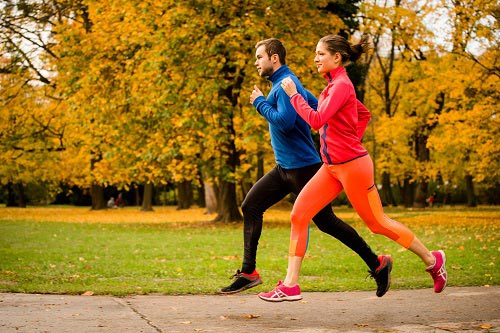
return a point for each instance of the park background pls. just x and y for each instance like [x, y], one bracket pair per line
[150, 99]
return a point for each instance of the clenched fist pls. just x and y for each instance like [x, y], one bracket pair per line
[289, 86]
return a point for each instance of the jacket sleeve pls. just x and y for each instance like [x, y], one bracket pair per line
[328, 107]
[283, 116]
[364, 117]
[312, 100]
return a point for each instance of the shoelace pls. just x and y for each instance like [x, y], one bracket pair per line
[441, 272]
[238, 274]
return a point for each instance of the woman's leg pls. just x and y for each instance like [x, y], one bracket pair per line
[329, 223]
[358, 182]
[317, 193]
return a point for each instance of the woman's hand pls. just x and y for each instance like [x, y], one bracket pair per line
[289, 86]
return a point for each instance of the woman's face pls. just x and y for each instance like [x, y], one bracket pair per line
[325, 61]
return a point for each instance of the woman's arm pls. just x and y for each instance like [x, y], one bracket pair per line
[364, 117]
[332, 99]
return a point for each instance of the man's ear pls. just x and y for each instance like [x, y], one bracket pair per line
[275, 58]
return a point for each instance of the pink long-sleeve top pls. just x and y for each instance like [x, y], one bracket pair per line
[341, 119]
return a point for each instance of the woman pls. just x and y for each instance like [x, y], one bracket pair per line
[346, 166]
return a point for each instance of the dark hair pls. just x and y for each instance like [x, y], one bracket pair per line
[273, 46]
[336, 43]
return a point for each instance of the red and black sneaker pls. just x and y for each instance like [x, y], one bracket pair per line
[382, 274]
[243, 281]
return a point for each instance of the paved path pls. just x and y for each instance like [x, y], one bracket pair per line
[457, 309]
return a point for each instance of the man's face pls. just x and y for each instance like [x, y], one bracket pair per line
[263, 62]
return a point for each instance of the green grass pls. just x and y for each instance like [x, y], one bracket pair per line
[195, 257]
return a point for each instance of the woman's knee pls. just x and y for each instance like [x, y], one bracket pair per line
[386, 229]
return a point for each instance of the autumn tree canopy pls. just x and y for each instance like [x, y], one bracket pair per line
[150, 93]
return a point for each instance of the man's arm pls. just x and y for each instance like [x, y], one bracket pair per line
[282, 116]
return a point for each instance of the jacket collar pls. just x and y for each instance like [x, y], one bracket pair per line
[279, 72]
[332, 75]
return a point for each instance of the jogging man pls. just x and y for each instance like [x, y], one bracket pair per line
[296, 162]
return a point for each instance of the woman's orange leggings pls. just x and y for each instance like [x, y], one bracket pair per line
[356, 178]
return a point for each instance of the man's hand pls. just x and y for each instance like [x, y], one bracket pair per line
[255, 93]
[289, 86]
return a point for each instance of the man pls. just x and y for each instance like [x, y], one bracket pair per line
[296, 162]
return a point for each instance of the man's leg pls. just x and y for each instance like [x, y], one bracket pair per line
[268, 190]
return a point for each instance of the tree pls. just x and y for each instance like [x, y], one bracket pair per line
[400, 38]
[31, 129]
[464, 140]
[222, 60]
[469, 122]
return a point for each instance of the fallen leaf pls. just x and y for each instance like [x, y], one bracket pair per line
[362, 325]
[185, 322]
[485, 326]
[251, 316]
[447, 328]
[88, 293]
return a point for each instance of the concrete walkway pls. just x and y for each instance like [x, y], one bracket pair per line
[457, 309]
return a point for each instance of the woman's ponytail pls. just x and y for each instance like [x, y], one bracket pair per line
[364, 46]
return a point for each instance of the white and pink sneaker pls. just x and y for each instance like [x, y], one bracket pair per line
[282, 293]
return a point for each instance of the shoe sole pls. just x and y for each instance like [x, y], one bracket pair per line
[444, 265]
[248, 286]
[282, 299]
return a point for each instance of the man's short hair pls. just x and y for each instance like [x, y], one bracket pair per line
[273, 46]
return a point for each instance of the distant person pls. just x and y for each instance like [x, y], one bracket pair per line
[296, 162]
[119, 200]
[430, 200]
[112, 203]
[346, 166]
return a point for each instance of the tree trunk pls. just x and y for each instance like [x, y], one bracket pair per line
[137, 194]
[11, 196]
[260, 165]
[408, 192]
[97, 197]
[245, 188]
[227, 209]
[420, 195]
[185, 195]
[423, 155]
[469, 186]
[210, 199]
[201, 192]
[386, 192]
[22, 197]
[147, 200]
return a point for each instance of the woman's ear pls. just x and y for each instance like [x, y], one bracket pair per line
[337, 57]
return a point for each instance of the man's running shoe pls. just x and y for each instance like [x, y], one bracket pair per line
[382, 275]
[438, 271]
[243, 281]
[282, 293]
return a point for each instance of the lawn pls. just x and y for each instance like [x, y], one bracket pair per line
[124, 251]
